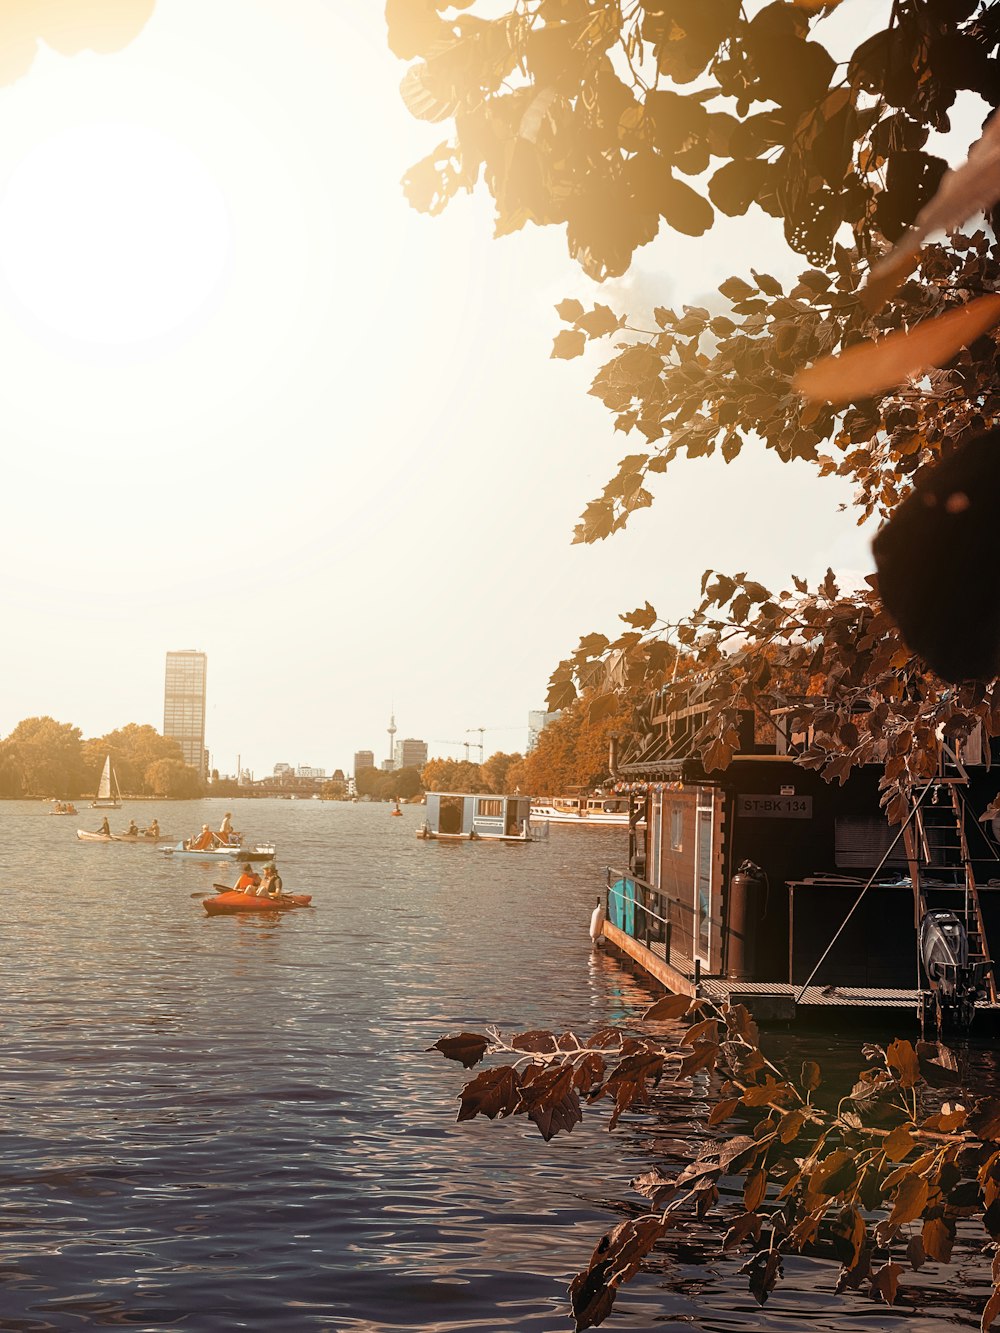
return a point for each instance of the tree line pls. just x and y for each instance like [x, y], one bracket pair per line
[45, 758]
[570, 753]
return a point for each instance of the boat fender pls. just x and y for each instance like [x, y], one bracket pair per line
[597, 920]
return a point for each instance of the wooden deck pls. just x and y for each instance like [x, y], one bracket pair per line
[778, 1002]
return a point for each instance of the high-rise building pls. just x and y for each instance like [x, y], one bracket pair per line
[184, 705]
[363, 759]
[410, 753]
[538, 720]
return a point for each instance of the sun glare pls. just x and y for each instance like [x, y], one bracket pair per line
[113, 235]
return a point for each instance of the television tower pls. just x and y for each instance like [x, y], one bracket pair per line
[392, 739]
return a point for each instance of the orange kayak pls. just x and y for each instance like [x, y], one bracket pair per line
[247, 902]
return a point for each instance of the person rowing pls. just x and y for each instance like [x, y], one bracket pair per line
[105, 827]
[271, 886]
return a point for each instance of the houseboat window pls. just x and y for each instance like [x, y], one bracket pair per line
[676, 828]
[492, 809]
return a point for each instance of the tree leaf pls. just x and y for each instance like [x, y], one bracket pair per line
[616, 1259]
[871, 368]
[468, 1048]
[911, 1199]
[885, 1282]
[971, 188]
[667, 1007]
[494, 1092]
[568, 343]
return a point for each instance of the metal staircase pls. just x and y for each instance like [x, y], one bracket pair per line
[941, 870]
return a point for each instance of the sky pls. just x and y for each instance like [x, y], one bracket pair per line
[251, 403]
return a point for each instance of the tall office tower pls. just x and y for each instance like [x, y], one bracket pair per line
[184, 705]
[410, 753]
[363, 759]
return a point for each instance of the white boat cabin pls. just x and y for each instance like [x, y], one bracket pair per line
[457, 816]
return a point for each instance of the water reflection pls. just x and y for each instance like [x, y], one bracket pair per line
[235, 1122]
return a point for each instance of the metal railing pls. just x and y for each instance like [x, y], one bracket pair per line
[649, 916]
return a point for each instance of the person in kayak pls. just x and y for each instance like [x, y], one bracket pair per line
[271, 886]
[133, 829]
[105, 827]
[248, 882]
[154, 829]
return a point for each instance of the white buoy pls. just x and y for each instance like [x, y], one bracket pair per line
[597, 920]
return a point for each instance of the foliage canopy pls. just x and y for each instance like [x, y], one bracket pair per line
[616, 119]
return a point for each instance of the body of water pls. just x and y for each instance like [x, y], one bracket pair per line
[229, 1122]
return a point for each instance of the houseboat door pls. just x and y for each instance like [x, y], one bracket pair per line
[450, 817]
[704, 819]
[621, 905]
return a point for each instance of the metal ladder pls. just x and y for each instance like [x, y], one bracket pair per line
[937, 850]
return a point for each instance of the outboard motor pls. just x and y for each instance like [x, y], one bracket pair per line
[956, 983]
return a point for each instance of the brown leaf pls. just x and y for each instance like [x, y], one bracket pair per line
[810, 1077]
[658, 1188]
[589, 1072]
[746, 1225]
[915, 1252]
[494, 1092]
[835, 1173]
[537, 1041]
[615, 1260]
[937, 1238]
[666, 1007]
[468, 1048]
[790, 1124]
[708, 1029]
[885, 1282]
[970, 188]
[899, 1144]
[900, 1055]
[703, 1056]
[984, 1119]
[754, 1189]
[870, 368]
[723, 1110]
[550, 1100]
[567, 344]
[764, 1270]
[911, 1198]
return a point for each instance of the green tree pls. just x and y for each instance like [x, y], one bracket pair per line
[459, 775]
[333, 790]
[496, 769]
[173, 778]
[49, 757]
[133, 748]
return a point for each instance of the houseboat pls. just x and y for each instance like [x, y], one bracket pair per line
[464, 817]
[594, 810]
[766, 885]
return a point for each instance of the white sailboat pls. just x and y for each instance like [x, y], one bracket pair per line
[108, 795]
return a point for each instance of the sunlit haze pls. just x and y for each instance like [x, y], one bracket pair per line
[253, 404]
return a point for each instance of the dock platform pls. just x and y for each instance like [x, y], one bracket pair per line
[780, 1002]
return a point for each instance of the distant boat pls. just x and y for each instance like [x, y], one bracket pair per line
[109, 796]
